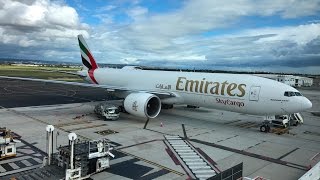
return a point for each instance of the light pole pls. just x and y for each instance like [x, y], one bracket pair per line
[72, 137]
[49, 130]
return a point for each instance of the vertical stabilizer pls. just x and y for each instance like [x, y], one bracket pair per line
[86, 55]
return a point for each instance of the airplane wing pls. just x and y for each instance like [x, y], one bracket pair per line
[64, 72]
[107, 87]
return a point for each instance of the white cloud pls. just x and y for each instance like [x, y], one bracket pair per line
[255, 46]
[263, 44]
[106, 8]
[154, 32]
[137, 12]
[301, 34]
[62, 16]
[39, 23]
[129, 60]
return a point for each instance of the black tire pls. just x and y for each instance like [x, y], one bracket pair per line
[268, 128]
[263, 128]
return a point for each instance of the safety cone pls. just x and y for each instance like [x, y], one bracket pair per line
[161, 124]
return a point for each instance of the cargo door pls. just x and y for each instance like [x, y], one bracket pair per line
[254, 93]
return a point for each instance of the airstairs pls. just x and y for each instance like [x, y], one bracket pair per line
[191, 160]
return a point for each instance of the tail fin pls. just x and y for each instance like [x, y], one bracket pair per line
[86, 55]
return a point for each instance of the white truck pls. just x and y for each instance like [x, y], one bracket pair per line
[107, 111]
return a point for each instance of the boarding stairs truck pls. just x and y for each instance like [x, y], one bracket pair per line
[281, 121]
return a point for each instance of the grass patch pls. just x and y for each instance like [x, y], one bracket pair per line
[39, 72]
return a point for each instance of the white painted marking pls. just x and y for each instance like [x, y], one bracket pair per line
[2, 169]
[25, 162]
[14, 166]
[20, 170]
[14, 159]
[38, 160]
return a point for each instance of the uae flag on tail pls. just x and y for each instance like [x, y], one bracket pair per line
[86, 56]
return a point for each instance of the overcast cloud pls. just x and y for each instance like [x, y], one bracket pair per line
[200, 34]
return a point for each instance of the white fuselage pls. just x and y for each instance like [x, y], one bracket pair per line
[231, 92]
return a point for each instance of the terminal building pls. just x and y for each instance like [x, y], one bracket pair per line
[294, 81]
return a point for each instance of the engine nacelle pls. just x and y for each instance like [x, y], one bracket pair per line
[142, 105]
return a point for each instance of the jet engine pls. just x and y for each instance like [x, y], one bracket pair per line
[142, 105]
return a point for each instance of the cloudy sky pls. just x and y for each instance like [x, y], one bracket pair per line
[263, 35]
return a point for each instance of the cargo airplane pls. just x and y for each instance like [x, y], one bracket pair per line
[145, 91]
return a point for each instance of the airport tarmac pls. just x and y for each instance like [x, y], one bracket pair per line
[15, 93]
[227, 138]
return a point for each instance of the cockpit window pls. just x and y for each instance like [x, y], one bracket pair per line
[290, 93]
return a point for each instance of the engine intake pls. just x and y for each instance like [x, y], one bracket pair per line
[143, 105]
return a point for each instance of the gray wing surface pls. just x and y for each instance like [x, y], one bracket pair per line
[63, 72]
[107, 87]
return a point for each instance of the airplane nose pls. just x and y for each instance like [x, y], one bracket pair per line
[306, 104]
